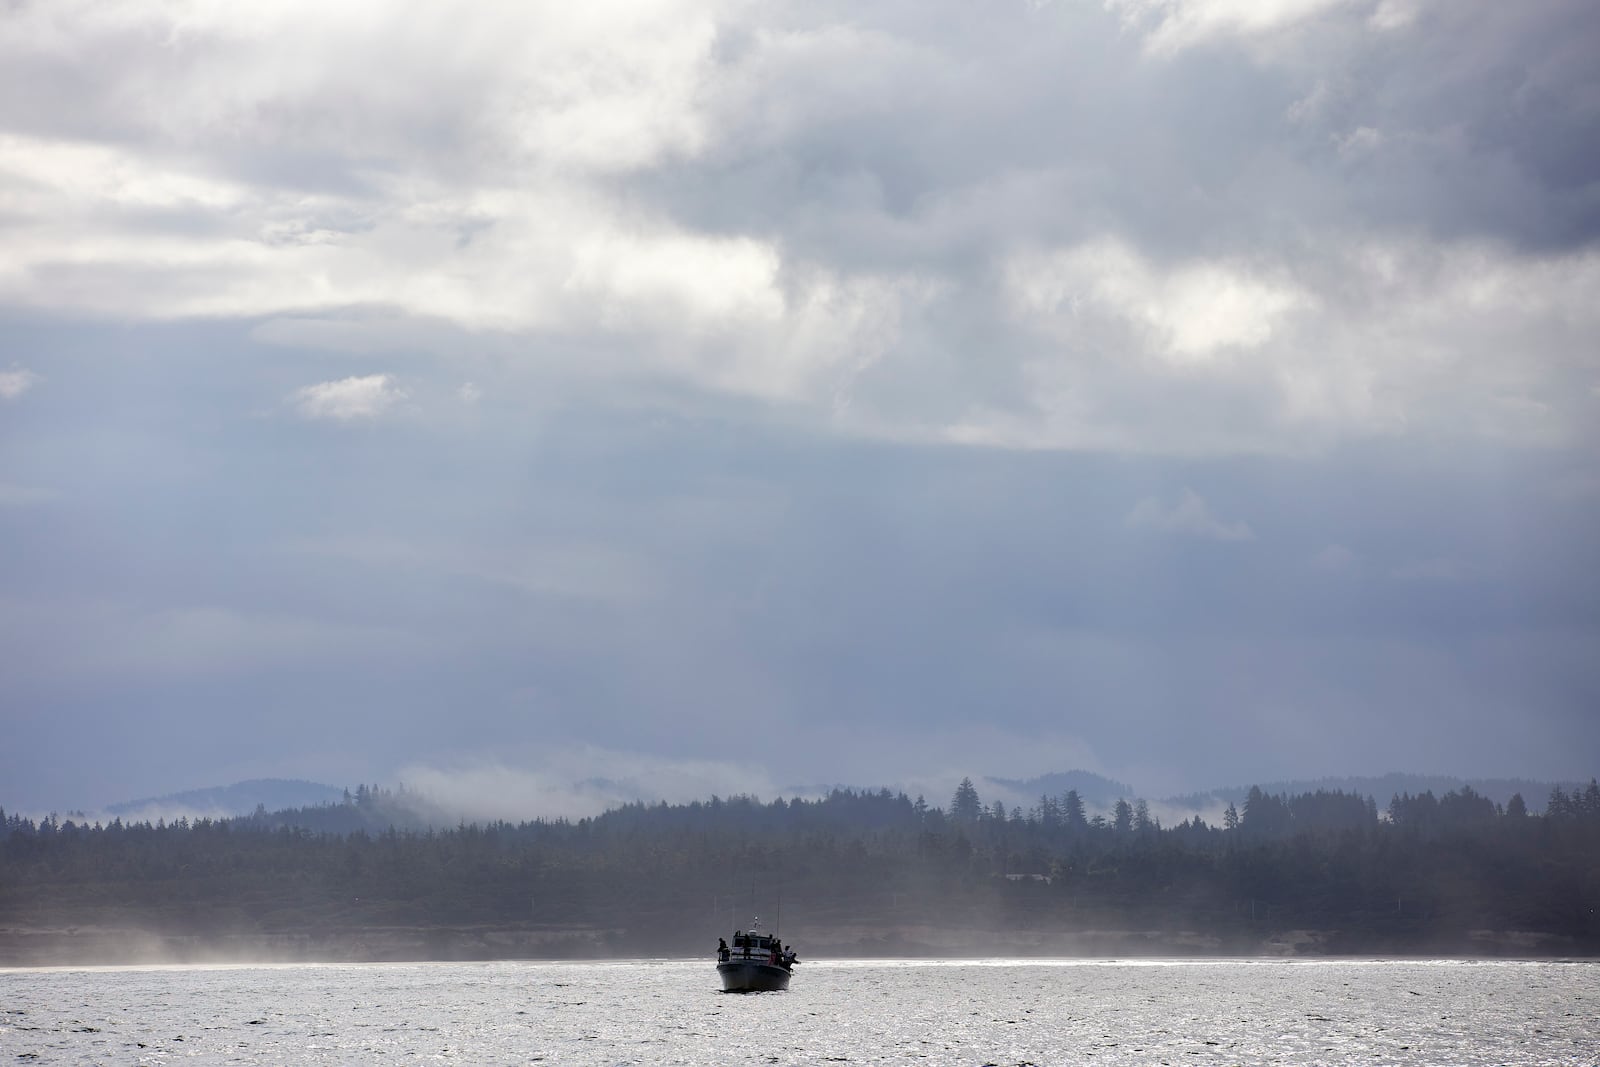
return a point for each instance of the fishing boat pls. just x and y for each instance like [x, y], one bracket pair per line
[756, 962]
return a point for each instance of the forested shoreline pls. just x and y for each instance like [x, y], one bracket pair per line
[852, 873]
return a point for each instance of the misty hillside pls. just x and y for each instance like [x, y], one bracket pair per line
[1381, 788]
[1094, 789]
[857, 873]
[240, 798]
[333, 809]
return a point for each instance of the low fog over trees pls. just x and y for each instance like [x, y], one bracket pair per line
[852, 872]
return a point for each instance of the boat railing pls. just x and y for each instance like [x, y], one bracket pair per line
[762, 951]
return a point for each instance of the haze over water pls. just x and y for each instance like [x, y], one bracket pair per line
[862, 1012]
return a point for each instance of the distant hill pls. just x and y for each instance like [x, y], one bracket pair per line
[1381, 789]
[313, 805]
[240, 798]
[1096, 790]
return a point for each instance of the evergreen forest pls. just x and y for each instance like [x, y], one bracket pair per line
[853, 873]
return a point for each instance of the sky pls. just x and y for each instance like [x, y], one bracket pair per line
[717, 397]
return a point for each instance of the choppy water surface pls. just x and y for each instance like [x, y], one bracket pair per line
[878, 1012]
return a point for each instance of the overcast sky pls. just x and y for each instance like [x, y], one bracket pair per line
[723, 396]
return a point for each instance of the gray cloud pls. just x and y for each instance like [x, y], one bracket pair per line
[1177, 225]
[872, 384]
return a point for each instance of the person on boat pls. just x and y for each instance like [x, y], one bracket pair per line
[722, 950]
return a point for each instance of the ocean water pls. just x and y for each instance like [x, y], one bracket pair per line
[853, 1012]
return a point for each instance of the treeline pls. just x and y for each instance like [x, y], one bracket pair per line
[853, 872]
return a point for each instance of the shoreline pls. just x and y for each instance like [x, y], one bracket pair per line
[32, 948]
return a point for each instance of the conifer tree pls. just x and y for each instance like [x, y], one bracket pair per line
[965, 805]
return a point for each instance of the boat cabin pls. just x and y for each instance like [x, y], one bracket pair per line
[754, 946]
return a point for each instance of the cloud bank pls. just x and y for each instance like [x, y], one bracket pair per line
[1239, 223]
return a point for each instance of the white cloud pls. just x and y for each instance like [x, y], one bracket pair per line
[348, 398]
[551, 256]
[1394, 14]
[469, 191]
[1365, 337]
[1171, 26]
[16, 381]
[1189, 313]
[747, 201]
[1189, 515]
[610, 84]
[686, 282]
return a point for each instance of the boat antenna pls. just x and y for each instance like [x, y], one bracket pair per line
[777, 925]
